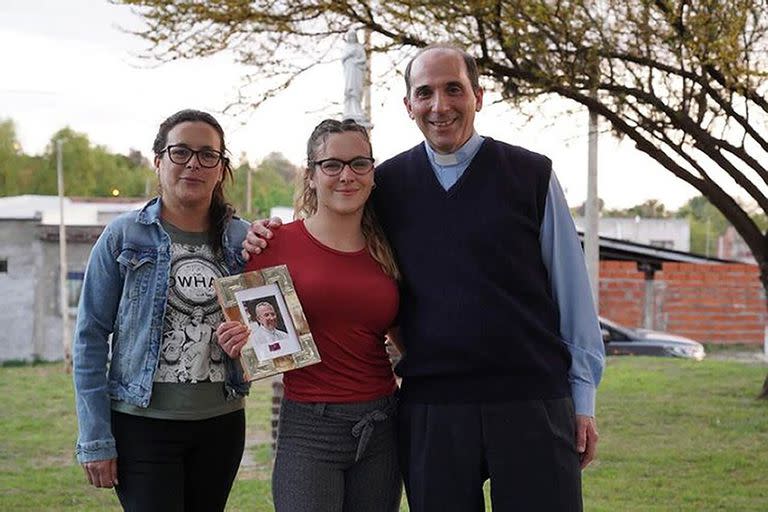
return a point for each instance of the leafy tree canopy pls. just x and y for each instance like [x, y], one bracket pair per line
[272, 184]
[89, 170]
[682, 79]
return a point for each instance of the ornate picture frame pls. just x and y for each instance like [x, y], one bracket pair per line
[284, 342]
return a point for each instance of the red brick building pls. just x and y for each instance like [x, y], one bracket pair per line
[707, 299]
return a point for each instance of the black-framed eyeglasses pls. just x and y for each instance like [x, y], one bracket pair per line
[360, 165]
[181, 154]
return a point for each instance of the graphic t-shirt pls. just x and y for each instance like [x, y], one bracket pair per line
[189, 351]
[189, 380]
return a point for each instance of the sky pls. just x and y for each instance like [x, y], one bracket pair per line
[72, 64]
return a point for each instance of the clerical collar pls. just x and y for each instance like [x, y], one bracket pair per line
[462, 156]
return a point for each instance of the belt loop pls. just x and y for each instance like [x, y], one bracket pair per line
[319, 408]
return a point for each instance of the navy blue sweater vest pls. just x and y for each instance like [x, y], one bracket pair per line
[477, 315]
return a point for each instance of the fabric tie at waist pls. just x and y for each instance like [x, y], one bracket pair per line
[363, 428]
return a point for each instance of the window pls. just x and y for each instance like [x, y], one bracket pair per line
[3, 265]
[74, 285]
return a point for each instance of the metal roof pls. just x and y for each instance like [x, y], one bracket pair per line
[614, 249]
[77, 211]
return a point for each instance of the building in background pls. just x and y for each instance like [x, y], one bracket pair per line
[284, 213]
[29, 267]
[731, 246]
[672, 234]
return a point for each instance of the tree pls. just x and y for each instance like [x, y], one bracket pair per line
[682, 79]
[90, 171]
[707, 224]
[650, 209]
[581, 210]
[16, 169]
[281, 166]
[272, 184]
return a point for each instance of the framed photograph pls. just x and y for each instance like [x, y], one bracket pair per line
[266, 301]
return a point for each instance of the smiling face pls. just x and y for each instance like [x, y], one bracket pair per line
[190, 184]
[441, 99]
[347, 192]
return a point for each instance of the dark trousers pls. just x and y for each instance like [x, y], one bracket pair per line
[527, 448]
[337, 458]
[175, 465]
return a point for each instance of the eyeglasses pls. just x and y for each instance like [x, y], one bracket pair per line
[360, 165]
[181, 154]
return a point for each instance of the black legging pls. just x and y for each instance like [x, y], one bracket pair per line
[177, 465]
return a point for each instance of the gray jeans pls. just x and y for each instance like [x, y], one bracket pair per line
[337, 458]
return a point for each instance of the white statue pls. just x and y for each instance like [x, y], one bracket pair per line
[354, 63]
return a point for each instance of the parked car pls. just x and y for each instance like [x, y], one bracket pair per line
[620, 340]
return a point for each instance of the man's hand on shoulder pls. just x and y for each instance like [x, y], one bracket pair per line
[258, 234]
[586, 439]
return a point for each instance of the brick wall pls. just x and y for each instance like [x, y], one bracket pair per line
[711, 303]
[622, 291]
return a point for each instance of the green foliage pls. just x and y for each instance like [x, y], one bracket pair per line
[706, 221]
[8, 154]
[93, 171]
[89, 170]
[707, 224]
[683, 80]
[675, 435]
[272, 184]
[650, 209]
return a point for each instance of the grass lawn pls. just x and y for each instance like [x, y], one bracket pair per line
[675, 435]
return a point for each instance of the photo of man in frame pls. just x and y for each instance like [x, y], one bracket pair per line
[271, 335]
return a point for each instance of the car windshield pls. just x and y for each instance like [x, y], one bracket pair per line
[616, 331]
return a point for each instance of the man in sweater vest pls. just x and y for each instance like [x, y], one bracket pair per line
[503, 350]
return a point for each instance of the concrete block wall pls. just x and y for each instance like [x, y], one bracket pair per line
[720, 304]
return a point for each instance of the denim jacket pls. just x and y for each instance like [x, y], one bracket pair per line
[124, 294]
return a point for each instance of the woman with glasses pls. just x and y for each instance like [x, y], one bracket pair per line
[162, 419]
[336, 441]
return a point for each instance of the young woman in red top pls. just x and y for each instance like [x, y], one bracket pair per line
[336, 443]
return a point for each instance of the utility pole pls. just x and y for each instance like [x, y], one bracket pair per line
[591, 213]
[248, 184]
[63, 300]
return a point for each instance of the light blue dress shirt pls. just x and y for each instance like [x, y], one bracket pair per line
[564, 260]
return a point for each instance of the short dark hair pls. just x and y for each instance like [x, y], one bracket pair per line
[469, 63]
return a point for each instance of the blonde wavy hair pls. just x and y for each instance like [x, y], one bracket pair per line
[305, 200]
